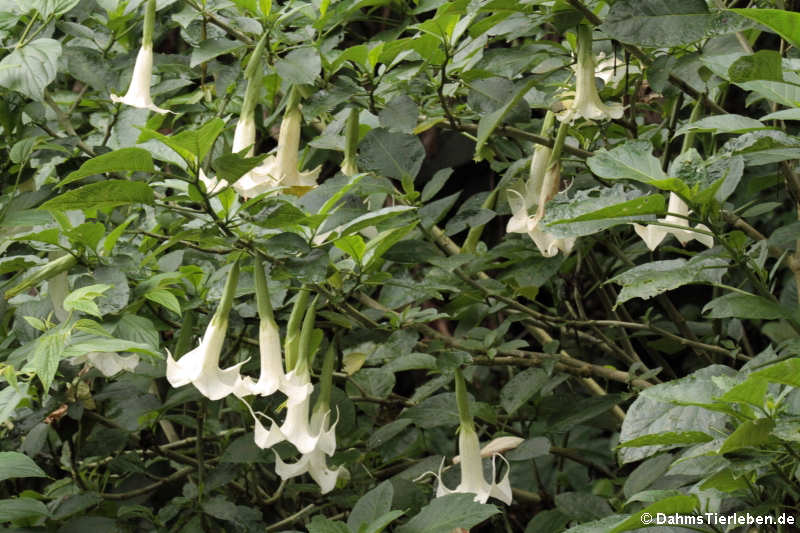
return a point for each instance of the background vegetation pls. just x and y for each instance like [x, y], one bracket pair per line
[626, 306]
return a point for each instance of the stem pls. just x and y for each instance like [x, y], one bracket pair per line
[149, 23]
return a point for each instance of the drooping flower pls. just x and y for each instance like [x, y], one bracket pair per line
[109, 363]
[470, 463]
[653, 234]
[213, 185]
[296, 427]
[271, 377]
[314, 462]
[472, 480]
[280, 169]
[542, 185]
[586, 102]
[138, 94]
[201, 366]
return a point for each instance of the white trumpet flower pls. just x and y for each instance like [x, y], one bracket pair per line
[296, 429]
[279, 169]
[653, 234]
[138, 94]
[542, 185]
[213, 185]
[201, 366]
[314, 462]
[472, 480]
[272, 377]
[586, 102]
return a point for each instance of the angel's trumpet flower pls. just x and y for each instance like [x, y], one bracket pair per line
[542, 185]
[587, 103]
[653, 234]
[280, 169]
[138, 94]
[201, 366]
[472, 479]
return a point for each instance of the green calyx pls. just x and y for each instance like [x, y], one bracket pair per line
[462, 399]
[149, 23]
[228, 293]
[262, 291]
[291, 345]
[326, 379]
[43, 273]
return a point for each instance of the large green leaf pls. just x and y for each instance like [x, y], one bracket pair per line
[102, 195]
[47, 352]
[749, 434]
[444, 514]
[681, 504]
[300, 66]
[663, 408]
[654, 278]
[47, 8]
[191, 145]
[22, 509]
[723, 124]
[124, 159]
[390, 153]
[371, 506]
[634, 161]
[211, 48]
[738, 305]
[784, 23]
[491, 121]
[15, 464]
[28, 70]
[656, 23]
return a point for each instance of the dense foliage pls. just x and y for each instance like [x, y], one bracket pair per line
[272, 266]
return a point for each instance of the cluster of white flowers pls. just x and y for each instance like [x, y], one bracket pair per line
[200, 367]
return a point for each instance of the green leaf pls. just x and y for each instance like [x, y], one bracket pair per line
[490, 122]
[379, 245]
[681, 504]
[380, 523]
[211, 48]
[300, 66]
[231, 167]
[22, 509]
[352, 245]
[82, 299]
[752, 391]
[652, 204]
[46, 8]
[444, 514]
[191, 145]
[521, 388]
[390, 153]
[786, 94]
[10, 398]
[784, 23]
[657, 410]
[726, 481]
[47, 352]
[320, 524]
[655, 23]
[372, 218]
[749, 434]
[634, 161]
[124, 159]
[436, 183]
[30, 69]
[723, 124]
[165, 298]
[787, 372]
[761, 65]
[668, 438]
[740, 305]
[654, 278]
[102, 195]
[15, 464]
[371, 506]
[400, 114]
